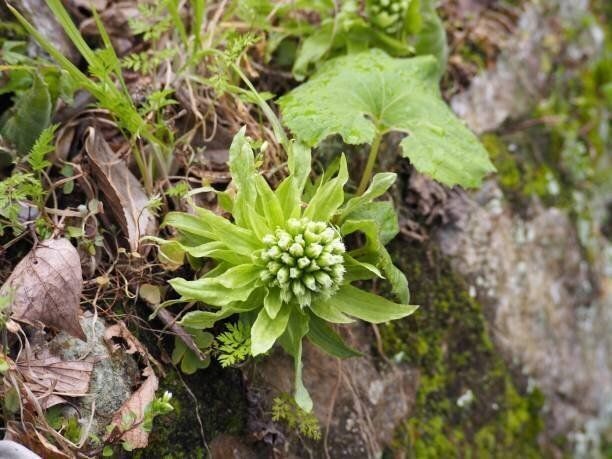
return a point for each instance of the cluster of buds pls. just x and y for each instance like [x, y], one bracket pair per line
[388, 15]
[304, 259]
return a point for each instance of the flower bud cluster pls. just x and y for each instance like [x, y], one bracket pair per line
[304, 259]
[388, 14]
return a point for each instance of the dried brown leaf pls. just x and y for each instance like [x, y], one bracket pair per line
[134, 408]
[45, 287]
[117, 336]
[32, 439]
[124, 194]
[51, 378]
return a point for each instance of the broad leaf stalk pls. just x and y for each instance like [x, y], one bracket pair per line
[282, 264]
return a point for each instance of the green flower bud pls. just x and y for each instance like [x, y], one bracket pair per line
[325, 260]
[320, 227]
[283, 275]
[310, 282]
[313, 250]
[303, 262]
[298, 288]
[269, 239]
[296, 250]
[287, 259]
[284, 240]
[274, 252]
[311, 237]
[387, 15]
[328, 235]
[274, 266]
[295, 226]
[304, 259]
[323, 279]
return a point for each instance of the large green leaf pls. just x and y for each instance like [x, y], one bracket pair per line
[365, 94]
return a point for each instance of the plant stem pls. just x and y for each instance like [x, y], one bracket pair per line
[367, 173]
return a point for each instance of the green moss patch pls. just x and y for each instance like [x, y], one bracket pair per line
[222, 404]
[467, 404]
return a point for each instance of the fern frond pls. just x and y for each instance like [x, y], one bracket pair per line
[41, 148]
[235, 344]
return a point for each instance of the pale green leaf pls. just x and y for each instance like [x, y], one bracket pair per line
[289, 198]
[266, 330]
[219, 290]
[242, 169]
[233, 236]
[329, 196]
[273, 302]
[205, 319]
[189, 225]
[379, 185]
[360, 95]
[298, 161]
[383, 213]
[273, 211]
[216, 250]
[326, 310]
[375, 252]
[369, 307]
[431, 38]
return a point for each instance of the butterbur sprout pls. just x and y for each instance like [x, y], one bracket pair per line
[282, 264]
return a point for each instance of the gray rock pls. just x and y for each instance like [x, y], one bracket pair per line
[521, 74]
[550, 309]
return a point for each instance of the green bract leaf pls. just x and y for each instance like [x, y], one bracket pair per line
[364, 95]
[329, 196]
[266, 329]
[291, 341]
[376, 253]
[242, 168]
[313, 49]
[328, 340]
[369, 307]
[380, 184]
[235, 284]
[431, 38]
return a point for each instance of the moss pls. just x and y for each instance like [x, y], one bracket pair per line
[447, 340]
[526, 171]
[221, 400]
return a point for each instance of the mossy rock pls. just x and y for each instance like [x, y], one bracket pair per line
[222, 405]
[467, 403]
